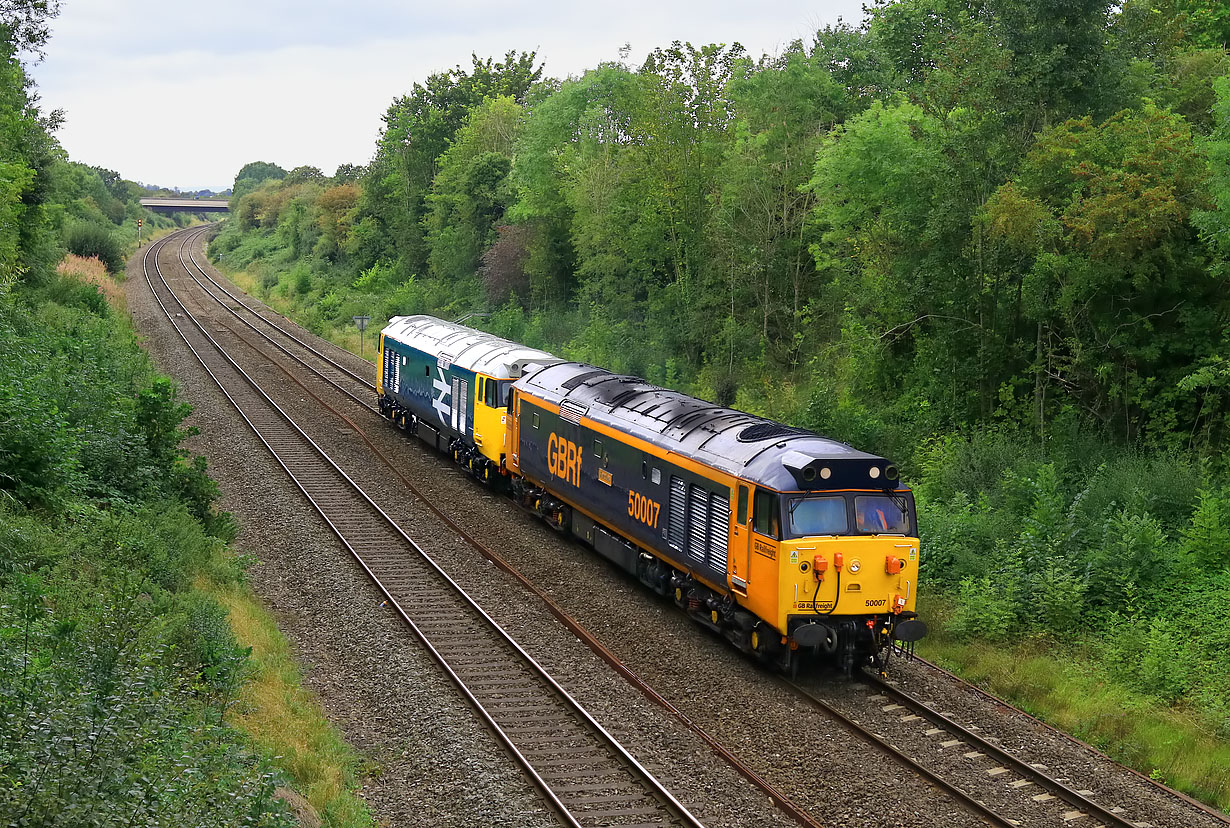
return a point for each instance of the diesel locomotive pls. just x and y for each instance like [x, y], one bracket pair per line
[787, 543]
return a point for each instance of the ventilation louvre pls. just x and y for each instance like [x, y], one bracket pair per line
[767, 431]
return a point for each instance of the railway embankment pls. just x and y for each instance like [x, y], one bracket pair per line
[120, 672]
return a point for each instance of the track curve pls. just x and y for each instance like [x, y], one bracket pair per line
[586, 775]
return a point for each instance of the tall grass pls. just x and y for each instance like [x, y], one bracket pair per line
[285, 719]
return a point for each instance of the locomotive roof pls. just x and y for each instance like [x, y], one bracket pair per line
[476, 351]
[740, 444]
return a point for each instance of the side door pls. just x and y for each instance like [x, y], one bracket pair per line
[740, 539]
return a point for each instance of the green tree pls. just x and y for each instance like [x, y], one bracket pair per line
[27, 23]
[469, 195]
[253, 174]
[783, 108]
[417, 130]
[1120, 295]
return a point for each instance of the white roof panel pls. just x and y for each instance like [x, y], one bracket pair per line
[476, 351]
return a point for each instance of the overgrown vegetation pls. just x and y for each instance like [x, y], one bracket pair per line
[120, 679]
[989, 241]
[116, 674]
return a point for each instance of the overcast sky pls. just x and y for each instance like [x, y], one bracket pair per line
[183, 94]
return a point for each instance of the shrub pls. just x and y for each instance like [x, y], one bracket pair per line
[72, 292]
[986, 608]
[93, 240]
[301, 277]
[1125, 566]
[210, 646]
[1206, 540]
[1059, 598]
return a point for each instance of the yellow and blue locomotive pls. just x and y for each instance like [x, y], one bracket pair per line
[782, 540]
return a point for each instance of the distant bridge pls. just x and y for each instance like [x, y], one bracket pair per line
[186, 205]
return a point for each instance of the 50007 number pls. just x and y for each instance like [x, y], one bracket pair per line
[643, 509]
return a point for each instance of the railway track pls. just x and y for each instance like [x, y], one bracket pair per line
[996, 762]
[896, 717]
[1055, 803]
[354, 386]
[780, 799]
[584, 774]
[999, 703]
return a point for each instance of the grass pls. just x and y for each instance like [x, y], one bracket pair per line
[92, 270]
[1063, 685]
[284, 718]
[346, 337]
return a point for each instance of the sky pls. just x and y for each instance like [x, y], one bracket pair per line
[183, 94]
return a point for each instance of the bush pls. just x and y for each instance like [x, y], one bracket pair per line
[1127, 566]
[986, 608]
[93, 240]
[71, 292]
[301, 279]
[1206, 540]
[210, 647]
[1059, 598]
[118, 677]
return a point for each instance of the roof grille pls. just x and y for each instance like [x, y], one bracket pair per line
[572, 412]
[767, 431]
[580, 379]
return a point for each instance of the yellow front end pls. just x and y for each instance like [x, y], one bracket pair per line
[490, 422]
[858, 575]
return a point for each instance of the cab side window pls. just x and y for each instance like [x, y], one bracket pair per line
[491, 396]
[766, 514]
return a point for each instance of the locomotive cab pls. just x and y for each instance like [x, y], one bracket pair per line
[852, 556]
[834, 566]
[491, 419]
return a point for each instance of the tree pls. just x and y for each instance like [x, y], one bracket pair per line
[417, 130]
[503, 265]
[348, 173]
[27, 23]
[253, 174]
[783, 108]
[469, 194]
[305, 174]
[28, 152]
[1057, 47]
[1120, 295]
[335, 209]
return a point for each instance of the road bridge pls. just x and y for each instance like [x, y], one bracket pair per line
[186, 205]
